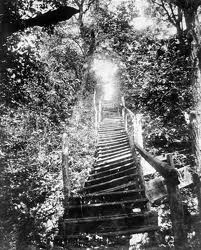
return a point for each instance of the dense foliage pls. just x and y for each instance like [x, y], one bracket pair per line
[46, 90]
[41, 99]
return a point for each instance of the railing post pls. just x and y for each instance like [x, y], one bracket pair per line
[137, 123]
[176, 210]
[138, 137]
[123, 113]
[65, 169]
[96, 112]
[126, 122]
[99, 111]
[123, 101]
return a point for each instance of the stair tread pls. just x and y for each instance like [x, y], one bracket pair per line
[134, 230]
[113, 135]
[110, 193]
[108, 152]
[112, 166]
[112, 175]
[112, 151]
[107, 139]
[123, 186]
[112, 142]
[113, 160]
[107, 147]
[114, 203]
[106, 205]
[101, 159]
[107, 217]
[110, 170]
[111, 181]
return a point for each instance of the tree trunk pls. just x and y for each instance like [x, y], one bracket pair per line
[2, 39]
[194, 33]
[177, 212]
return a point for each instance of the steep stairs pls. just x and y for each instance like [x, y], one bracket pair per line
[113, 201]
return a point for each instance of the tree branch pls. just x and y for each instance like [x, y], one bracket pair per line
[168, 14]
[173, 14]
[89, 5]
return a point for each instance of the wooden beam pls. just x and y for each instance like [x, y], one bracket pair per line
[65, 169]
[176, 212]
[134, 230]
[164, 169]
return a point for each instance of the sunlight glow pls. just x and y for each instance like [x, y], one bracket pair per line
[105, 72]
[108, 90]
[140, 23]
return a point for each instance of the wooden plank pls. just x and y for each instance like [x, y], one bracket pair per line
[113, 142]
[129, 186]
[109, 194]
[176, 212]
[115, 203]
[112, 152]
[104, 185]
[112, 176]
[113, 165]
[113, 160]
[162, 168]
[113, 157]
[112, 147]
[104, 218]
[65, 168]
[185, 177]
[110, 170]
[134, 230]
[111, 139]
[155, 189]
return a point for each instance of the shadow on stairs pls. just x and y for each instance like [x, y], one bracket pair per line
[112, 206]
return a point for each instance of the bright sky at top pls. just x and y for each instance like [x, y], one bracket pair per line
[142, 21]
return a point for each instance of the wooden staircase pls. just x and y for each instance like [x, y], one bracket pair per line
[113, 201]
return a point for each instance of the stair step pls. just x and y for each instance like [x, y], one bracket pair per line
[115, 142]
[105, 208]
[121, 163]
[111, 183]
[112, 135]
[134, 230]
[111, 139]
[108, 171]
[107, 197]
[102, 153]
[113, 202]
[114, 161]
[112, 151]
[111, 130]
[107, 223]
[106, 158]
[113, 123]
[110, 177]
[128, 186]
[104, 218]
[112, 147]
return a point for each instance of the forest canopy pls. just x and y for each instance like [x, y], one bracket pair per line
[51, 55]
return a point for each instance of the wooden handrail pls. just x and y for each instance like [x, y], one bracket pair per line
[164, 169]
[170, 174]
[65, 169]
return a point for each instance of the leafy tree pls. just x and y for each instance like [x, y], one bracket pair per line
[40, 90]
